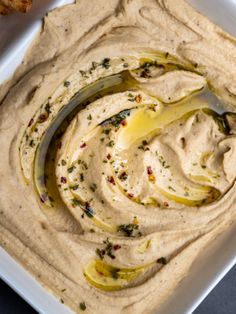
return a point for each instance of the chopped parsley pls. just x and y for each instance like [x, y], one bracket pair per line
[117, 119]
[47, 108]
[106, 63]
[83, 164]
[82, 306]
[111, 143]
[74, 187]
[129, 230]
[76, 202]
[83, 73]
[162, 260]
[66, 83]
[93, 187]
[71, 169]
[108, 250]
[63, 162]
[32, 143]
[106, 131]
[144, 146]
[81, 177]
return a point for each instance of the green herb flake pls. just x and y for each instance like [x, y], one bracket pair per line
[82, 306]
[117, 119]
[162, 260]
[100, 253]
[48, 108]
[74, 187]
[129, 230]
[63, 162]
[83, 73]
[32, 143]
[106, 131]
[111, 143]
[71, 169]
[93, 67]
[76, 202]
[93, 187]
[109, 249]
[144, 146]
[81, 177]
[66, 83]
[106, 63]
[83, 164]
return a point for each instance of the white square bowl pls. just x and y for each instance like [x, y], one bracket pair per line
[16, 34]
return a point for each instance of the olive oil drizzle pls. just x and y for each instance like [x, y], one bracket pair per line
[105, 86]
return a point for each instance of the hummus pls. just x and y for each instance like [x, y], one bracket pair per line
[118, 136]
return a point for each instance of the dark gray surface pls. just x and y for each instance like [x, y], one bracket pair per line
[222, 300]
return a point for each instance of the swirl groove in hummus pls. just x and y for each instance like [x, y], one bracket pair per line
[122, 156]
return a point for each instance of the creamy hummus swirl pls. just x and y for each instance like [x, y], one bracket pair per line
[127, 155]
[122, 157]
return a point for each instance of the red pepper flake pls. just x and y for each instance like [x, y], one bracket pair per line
[116, 247]
[166, 204]
[83, 145]
[63, 179]
[59, 145]
[138, 98]
[111, 180]
[124, 122]
[130, 194]
[149, 170]
[108, 156]
[99, 272]
[151, 176]
[42, 118]
[30, 122]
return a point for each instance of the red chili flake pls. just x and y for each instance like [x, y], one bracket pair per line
[59, 145]
[30, 122]
[116, 247]
[111, 180]
[130, 194]
[63, 179]
[42, 118]
[108, 156]
[138, 98]
[99, 272]
[149, 170]
[124, 122]
[82, 145]
[166, 204]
